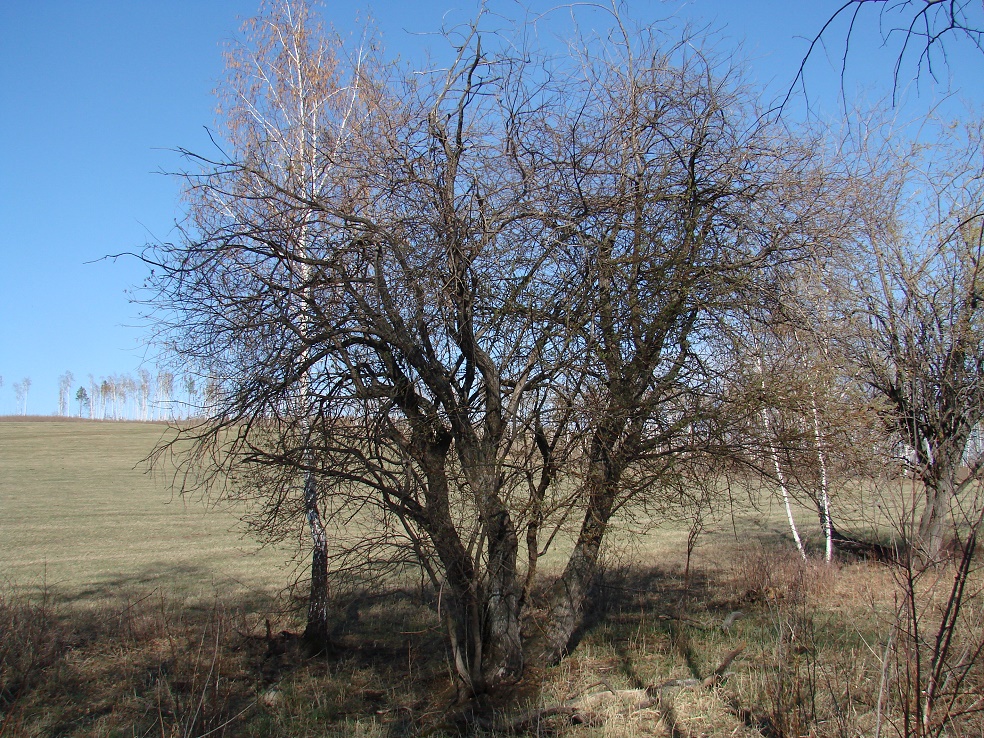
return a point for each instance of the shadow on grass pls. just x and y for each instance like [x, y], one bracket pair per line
[630, 599]
[128, 655]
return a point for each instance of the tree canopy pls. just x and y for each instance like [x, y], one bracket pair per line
[454, 318]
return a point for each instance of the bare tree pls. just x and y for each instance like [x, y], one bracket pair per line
[143, 390]
[287, 109]
[64, 393]
[125, 389]
[482, 307]
[165, 395]
[191, 392]
[21, 391]
[107, 391]
[910, 295]
[94, 396]
[676, 233]
[923, 28]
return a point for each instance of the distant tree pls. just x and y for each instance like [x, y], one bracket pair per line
[21, 390]
[190, 389]
[143, 390]
[95, 396]
[64, 389]
[107, 391]
[165, 390]
[211, 394]
[126, 389]
[83, 399]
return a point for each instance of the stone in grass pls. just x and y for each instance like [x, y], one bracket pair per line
[272, 697]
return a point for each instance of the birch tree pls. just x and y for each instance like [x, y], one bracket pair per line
[164, 398]
[94, 396]
[191, 392]
[21, 391]
[285, 109]
[64, 393]
[19, 398]
[108, 392]
[143, 393]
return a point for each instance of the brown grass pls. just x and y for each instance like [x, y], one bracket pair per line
[813, 637]
[95, 651]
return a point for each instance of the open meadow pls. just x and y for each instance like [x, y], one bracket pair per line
[82, 516]
[127, 612]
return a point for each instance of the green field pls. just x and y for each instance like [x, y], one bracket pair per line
[81, 514]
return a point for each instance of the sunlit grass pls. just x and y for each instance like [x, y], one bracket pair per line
[125, 610]
[80, 512]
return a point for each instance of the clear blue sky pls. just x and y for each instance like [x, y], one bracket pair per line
[95, 95]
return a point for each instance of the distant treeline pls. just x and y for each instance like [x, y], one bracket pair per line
[143, 395]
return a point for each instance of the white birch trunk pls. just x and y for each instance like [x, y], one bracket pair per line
[825, 523]
[780, 477]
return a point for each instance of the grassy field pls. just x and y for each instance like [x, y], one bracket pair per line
[127, 612]
[81, 514]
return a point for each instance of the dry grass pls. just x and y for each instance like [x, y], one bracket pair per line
[149, 622]
[812, 662]
[80, 513]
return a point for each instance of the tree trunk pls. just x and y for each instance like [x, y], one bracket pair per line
[505, 645]
[316, 632]
[463, 606]
[824, 507]
[940, 484]
[570, 592]
[780, 477]
[930, 532]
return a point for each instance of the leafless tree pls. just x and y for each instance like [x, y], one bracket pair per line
[108, 393]
[95, 395]
[143, 390]
[910, 295]
[481, 308]
[64, 393]
[21, 391]
[676, 232]
[820, 424]
[165, 395]
[924, 28]
[125, 389]
[191, 393]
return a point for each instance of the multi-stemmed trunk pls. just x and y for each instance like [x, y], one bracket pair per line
[569, 594]
[938, 468]
[481, 605]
